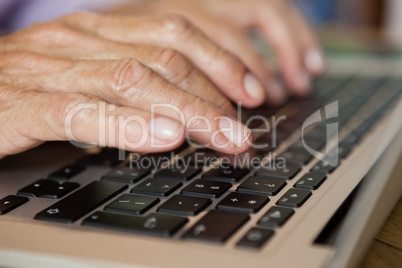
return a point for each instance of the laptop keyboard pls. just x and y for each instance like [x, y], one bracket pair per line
[159, 199]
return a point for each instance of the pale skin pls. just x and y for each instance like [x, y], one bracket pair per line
[197, 58]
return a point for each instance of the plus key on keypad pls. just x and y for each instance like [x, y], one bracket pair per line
[246, 203]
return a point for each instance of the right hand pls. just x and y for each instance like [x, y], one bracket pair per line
[48, 70]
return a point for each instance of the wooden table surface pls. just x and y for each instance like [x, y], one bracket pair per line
[386, 250]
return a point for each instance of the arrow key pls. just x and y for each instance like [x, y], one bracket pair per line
[11, 202]
[275, 217]
[311, 181]
[294, 198]
[60, 190]
[37, 188]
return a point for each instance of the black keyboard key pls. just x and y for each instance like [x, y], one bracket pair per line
[81, 202]
[299, 146]
[294, 198]
[208, 189]
[245, 203]
[255, 238]
[157, 187]
[201, 159]
[261, 185]
[227, 174]
[100, 160]
[66, 173]
[351, 139]
[11, 202]
[132, 204]
[275, 217]
[285, 173]
[125, 175]
[183, 174]
[310, 181]
[343, 151]
[297, 158]
[153, 224]
[37, 188]
[323, 167]
[60, 190]
[316, 134]
[184, 205]
[151, 161]
[217, 226]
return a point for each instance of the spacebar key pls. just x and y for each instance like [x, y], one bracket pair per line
[81, 202]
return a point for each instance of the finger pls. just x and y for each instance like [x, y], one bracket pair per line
[169, 63]
[313, 55]
[129, 83]
[173, 31]
[275, 27]
[237, 43]
[72, 116]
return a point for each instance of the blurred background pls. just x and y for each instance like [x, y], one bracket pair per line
[378, 19]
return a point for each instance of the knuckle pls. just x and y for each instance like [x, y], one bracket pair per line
[24, 59]
[225, 105]
[78, 15]
[176, 67]
[54, 31]
[126, 76]
[177, 26]
[62, 106]
[194, 108]
[170, 58]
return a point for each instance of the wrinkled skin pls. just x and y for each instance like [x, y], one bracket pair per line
[129, 63]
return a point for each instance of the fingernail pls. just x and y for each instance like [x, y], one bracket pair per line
[165, 129]
[303, 81]
[275, 92]
[314, 61]
[253, 87]
[234, 131]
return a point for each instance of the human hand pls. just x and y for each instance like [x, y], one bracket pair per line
[226, 22]
[55, 77]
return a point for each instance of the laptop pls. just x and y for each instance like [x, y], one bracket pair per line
[312, 192]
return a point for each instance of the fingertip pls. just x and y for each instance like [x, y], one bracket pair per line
[314, 61]
[166, 130]
[234, 131]
[276, 94]
[302, 83]
[254, 89]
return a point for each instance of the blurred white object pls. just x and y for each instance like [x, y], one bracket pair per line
[393, 21]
